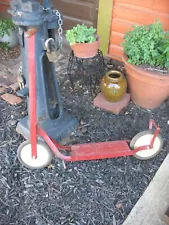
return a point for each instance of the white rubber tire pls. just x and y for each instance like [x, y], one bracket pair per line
[144, 138]
[44, 155]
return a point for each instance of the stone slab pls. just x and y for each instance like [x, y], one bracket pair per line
[114, 107]
[15, 86]
[151, 207]
[2, 90]
[2, 67]
[166, 217]
[11, 99]
[7, 79]
[14, 69]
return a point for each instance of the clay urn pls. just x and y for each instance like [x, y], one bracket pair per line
[113, 86]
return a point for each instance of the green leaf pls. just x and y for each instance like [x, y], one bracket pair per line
[4, 45]
[145, 44]
[81, 34]
[6, 26]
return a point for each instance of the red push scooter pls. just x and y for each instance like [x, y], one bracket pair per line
[37, 154]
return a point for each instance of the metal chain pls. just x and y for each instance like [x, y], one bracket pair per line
[20, 77]
[60, 29]
[60, 23]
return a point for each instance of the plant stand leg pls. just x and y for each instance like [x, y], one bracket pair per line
[69, 68]
[90, 70]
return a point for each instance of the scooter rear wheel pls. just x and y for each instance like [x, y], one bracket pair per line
[144, 138]
[44, 155]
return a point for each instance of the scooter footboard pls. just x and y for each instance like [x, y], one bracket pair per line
[100, 150]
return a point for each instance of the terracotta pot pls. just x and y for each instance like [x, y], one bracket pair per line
[86, 50]
[147, 89]
[113, 86]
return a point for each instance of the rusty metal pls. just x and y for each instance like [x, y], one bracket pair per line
[30, 32]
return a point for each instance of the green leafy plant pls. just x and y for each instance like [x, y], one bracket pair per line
[4, 45]
[6, 26]
[164, 50]
[147, 44]
[81, 34]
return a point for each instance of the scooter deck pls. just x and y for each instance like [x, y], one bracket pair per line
[100, 150]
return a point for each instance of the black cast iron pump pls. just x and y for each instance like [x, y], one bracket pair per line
[42, 21]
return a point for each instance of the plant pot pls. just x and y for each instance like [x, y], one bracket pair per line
[113, 86]
[147, 89]
[12, 39]
[86, 50]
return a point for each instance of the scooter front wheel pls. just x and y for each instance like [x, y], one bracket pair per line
[144, 138]
[44, 155]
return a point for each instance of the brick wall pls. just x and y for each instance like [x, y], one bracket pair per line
[4, 5]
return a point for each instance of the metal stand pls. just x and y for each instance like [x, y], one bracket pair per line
[90, 70]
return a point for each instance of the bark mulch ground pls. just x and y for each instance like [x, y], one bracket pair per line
[100, 192]
[12, 53]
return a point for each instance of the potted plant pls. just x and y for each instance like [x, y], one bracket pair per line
[83, 41]
[146, 59]
[8, 33]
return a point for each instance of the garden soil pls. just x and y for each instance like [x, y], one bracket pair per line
[100, 192]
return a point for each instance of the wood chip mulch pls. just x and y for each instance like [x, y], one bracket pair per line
[100, 192]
